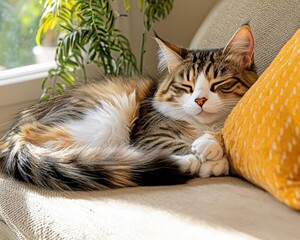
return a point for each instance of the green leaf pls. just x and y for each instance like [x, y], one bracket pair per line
[141, 4]
[38, 36]
[126, 4]
[68, 78]
[45, 94]
[62, 87]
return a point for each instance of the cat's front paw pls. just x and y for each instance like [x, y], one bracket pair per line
[214, 168]
[188, 164]
[206, 148]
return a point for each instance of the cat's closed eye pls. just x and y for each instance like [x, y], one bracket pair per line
[224, 86]
[227, 87]
[182, 87]
[188, 88]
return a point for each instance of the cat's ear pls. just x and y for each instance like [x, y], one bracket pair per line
[169, 55]
[240, 47]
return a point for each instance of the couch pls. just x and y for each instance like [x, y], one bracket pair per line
[214, 208]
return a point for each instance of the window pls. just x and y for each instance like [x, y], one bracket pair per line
[19, 23]
[21, 70]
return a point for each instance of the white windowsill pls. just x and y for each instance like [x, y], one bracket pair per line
[25, 73]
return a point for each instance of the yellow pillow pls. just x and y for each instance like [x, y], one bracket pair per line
[262, 133]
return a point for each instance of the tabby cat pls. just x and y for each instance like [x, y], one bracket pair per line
[134, 131]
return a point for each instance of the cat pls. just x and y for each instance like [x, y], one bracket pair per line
[131, 131]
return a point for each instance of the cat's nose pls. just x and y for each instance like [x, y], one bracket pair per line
[200, 101]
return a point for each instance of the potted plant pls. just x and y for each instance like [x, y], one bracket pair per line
[90, 36]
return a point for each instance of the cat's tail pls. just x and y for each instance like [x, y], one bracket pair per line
[87, 169]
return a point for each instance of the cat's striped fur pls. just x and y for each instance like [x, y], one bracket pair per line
[130, 131]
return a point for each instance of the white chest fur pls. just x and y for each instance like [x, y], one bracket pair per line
[106, 124]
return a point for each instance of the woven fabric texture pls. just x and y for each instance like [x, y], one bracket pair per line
[214, 208]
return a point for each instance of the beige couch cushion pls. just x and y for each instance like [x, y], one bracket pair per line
[5, 232]
[215, 208]
[273, 23]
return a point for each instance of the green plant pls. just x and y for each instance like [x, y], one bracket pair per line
[90, 36]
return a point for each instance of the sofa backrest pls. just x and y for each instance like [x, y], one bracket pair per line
[273, 23]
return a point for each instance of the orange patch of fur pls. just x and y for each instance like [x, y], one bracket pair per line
[117, 87]
[122, 178]
[40, 135]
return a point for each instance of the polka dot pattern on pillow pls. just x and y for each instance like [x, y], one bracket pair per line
[262, 133]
